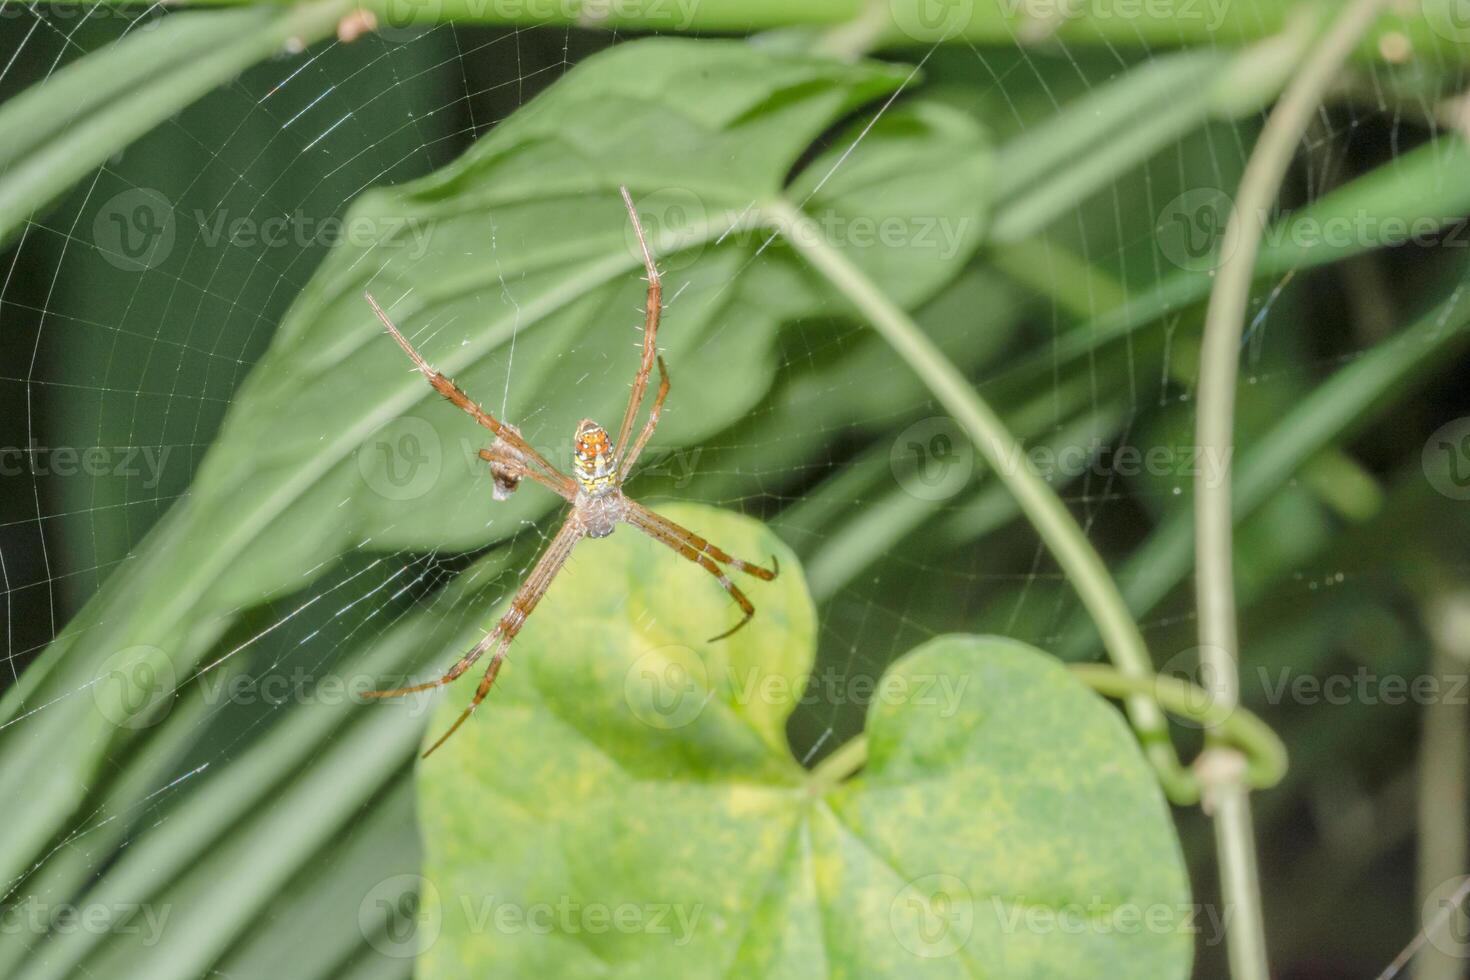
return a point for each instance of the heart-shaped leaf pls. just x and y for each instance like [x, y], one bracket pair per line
[625, 804]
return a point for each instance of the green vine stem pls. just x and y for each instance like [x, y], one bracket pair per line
[1264, 752]
[1073, 552]
[1444, 762]
[859, 25]
[1220, 768]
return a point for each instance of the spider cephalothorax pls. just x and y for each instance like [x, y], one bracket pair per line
[595, 491]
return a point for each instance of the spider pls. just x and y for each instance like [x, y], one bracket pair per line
[595, 491]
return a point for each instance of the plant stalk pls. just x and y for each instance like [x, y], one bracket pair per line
[1222, 768]
[1068, 544]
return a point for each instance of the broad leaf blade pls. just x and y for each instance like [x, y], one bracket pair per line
[269, 509]
[1002, 804]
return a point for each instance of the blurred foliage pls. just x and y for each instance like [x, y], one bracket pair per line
[1066, 311]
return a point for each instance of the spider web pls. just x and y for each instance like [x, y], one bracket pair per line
[118, 370]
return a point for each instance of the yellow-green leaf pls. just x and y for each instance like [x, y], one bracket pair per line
[625, 804]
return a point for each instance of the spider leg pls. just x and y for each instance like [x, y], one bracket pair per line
[625, 464]
[450, 676]
[508, 469]
[702, 553]
[707, 563]
[522, 604]
[650, 331]
[641, 515]
[457, 396]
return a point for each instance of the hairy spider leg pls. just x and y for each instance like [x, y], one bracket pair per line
[702, 553]
[652, 310]
[521, 606]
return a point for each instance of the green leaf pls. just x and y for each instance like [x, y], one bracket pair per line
[626, 805]
[515, 270]
[59, 130]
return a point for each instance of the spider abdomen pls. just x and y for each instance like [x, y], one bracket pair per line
[600, 514]
[592, 459]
